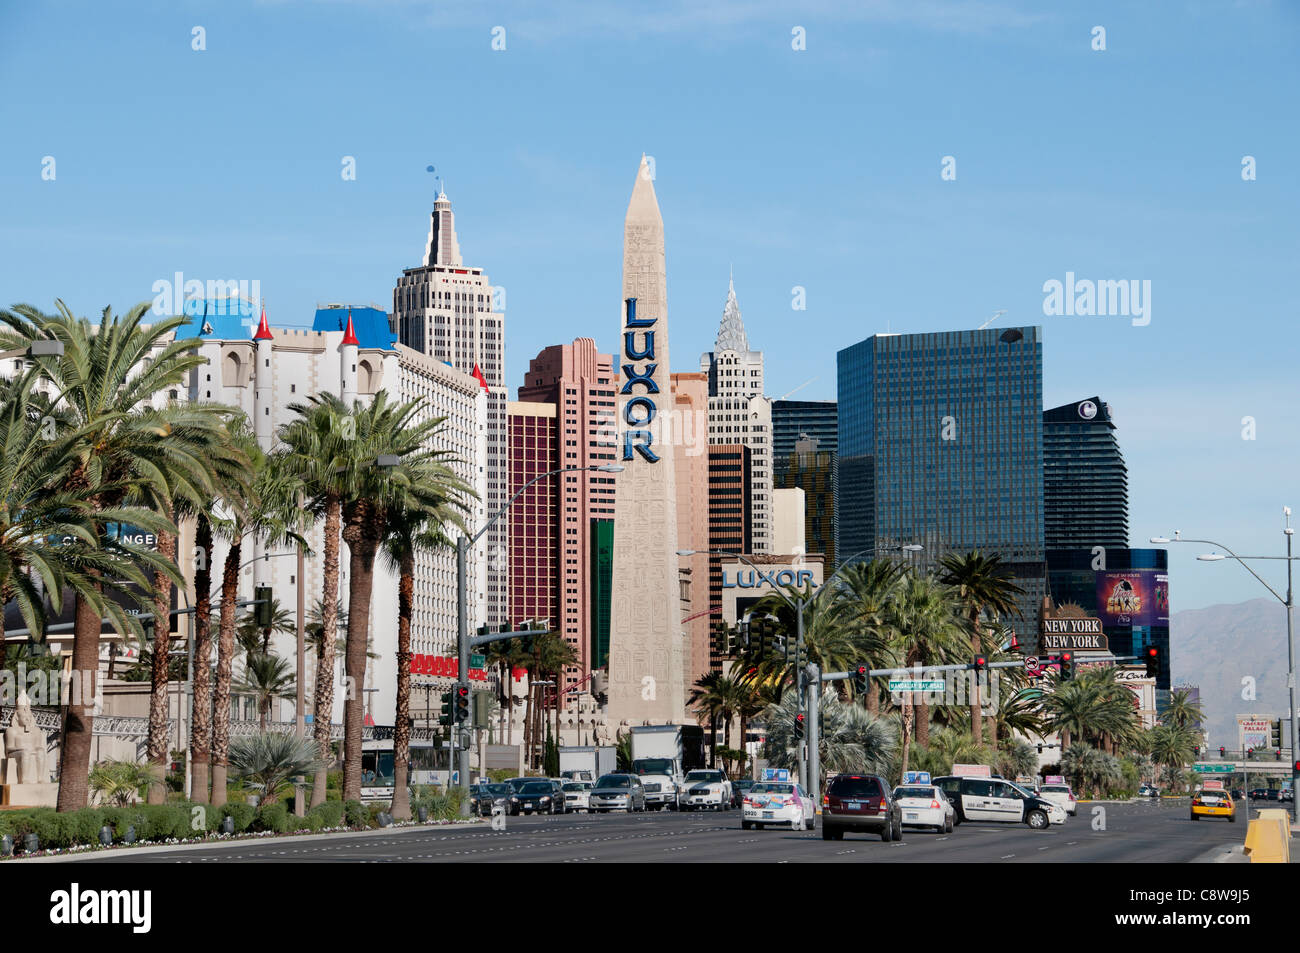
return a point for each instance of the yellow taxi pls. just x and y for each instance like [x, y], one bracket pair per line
[1213, 803]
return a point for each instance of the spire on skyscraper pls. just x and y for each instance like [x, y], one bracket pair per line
[442, 247]
[731, 333]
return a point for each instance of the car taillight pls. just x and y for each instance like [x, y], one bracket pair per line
[935, 805]
[826, 800]
[883, 806]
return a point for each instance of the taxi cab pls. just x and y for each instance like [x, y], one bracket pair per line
[1213, 804]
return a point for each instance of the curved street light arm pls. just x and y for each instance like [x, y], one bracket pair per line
[1210, 542]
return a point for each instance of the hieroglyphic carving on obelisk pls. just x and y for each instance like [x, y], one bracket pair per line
[645, 638]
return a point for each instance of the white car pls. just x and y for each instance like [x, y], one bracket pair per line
[925, 805]
[777, 802]
[577, 796]
[1062, 795]
[706, 788]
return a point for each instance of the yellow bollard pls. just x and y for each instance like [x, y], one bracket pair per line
[1268, 838]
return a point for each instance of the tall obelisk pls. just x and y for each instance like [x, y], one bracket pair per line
[645, 638]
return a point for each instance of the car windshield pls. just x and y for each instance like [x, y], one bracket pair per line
[577, 785]
[918, 792]
[653, 766]
[771, 787]
[844, 786]
[536, 787]
[496, 790]
[1055, 789]
[704, 776]
[613, 781]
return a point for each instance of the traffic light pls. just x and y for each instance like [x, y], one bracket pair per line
[445, 717]
[1196, 751]
[980, 664]
[1153, 661]
[1222, 751]
[862, 679]
[461, 693]
[742, 637]
[1275, 733]
[799, 726]
[482, 704]
[1067, 666]
[262, 616]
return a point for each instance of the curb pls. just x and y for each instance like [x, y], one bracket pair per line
[1226, 854]
[210, 845]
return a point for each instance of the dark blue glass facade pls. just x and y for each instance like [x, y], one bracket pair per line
[941, 444]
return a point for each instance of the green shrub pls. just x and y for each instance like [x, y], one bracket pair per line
[334, 781]
[273, 817]
[242, 814]
[330, 814]
[356, 814]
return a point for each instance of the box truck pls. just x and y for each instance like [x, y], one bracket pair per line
[661, 756]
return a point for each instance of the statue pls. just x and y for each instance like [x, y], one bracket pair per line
[602, 734]
[26, 760]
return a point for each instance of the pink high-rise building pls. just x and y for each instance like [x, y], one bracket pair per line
[579, 382]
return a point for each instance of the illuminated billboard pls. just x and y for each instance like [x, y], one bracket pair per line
[1133, 597]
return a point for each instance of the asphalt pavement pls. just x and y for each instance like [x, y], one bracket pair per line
[1146, 831]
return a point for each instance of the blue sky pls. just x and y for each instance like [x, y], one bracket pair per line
[817, 168]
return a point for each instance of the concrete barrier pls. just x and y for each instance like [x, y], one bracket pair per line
[1268, 838]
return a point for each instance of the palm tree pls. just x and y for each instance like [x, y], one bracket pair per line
[318, 443]
[924, 630]
[1091, 708]
[551, 654]
[36, 508]
[707, 699]
[266, 678]
[121, 448]
[263, 507]
[409, 531]
[1181, 711]
[827, 642]
[421, 480]
[984, 587]
[863, 595]
[201, 702]
[854, 740]
[1171, 746]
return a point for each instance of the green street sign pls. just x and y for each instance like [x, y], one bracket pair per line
[1215, 768]
[917, 685]
[477, 661]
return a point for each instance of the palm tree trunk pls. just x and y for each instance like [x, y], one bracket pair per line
[905, 718]
[923, 724]
[401, 806]
[873, 699]
[976, 722]
[159, 722]
[361, 536]
[528, 723]
[323, 704]
[79, 721]
[201, 719]
[221, 693]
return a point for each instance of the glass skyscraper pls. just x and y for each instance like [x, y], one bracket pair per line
[796, 419]
[941, 444]
[1085, 482]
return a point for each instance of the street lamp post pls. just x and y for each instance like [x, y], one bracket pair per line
[1289, 601]
[463, 543]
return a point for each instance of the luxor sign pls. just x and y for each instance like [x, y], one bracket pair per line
[640, 410]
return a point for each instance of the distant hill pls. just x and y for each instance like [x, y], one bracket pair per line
[1216, 647]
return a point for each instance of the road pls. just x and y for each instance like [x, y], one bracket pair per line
[1143, 832]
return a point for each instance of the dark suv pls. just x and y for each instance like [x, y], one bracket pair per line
[860, 802]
